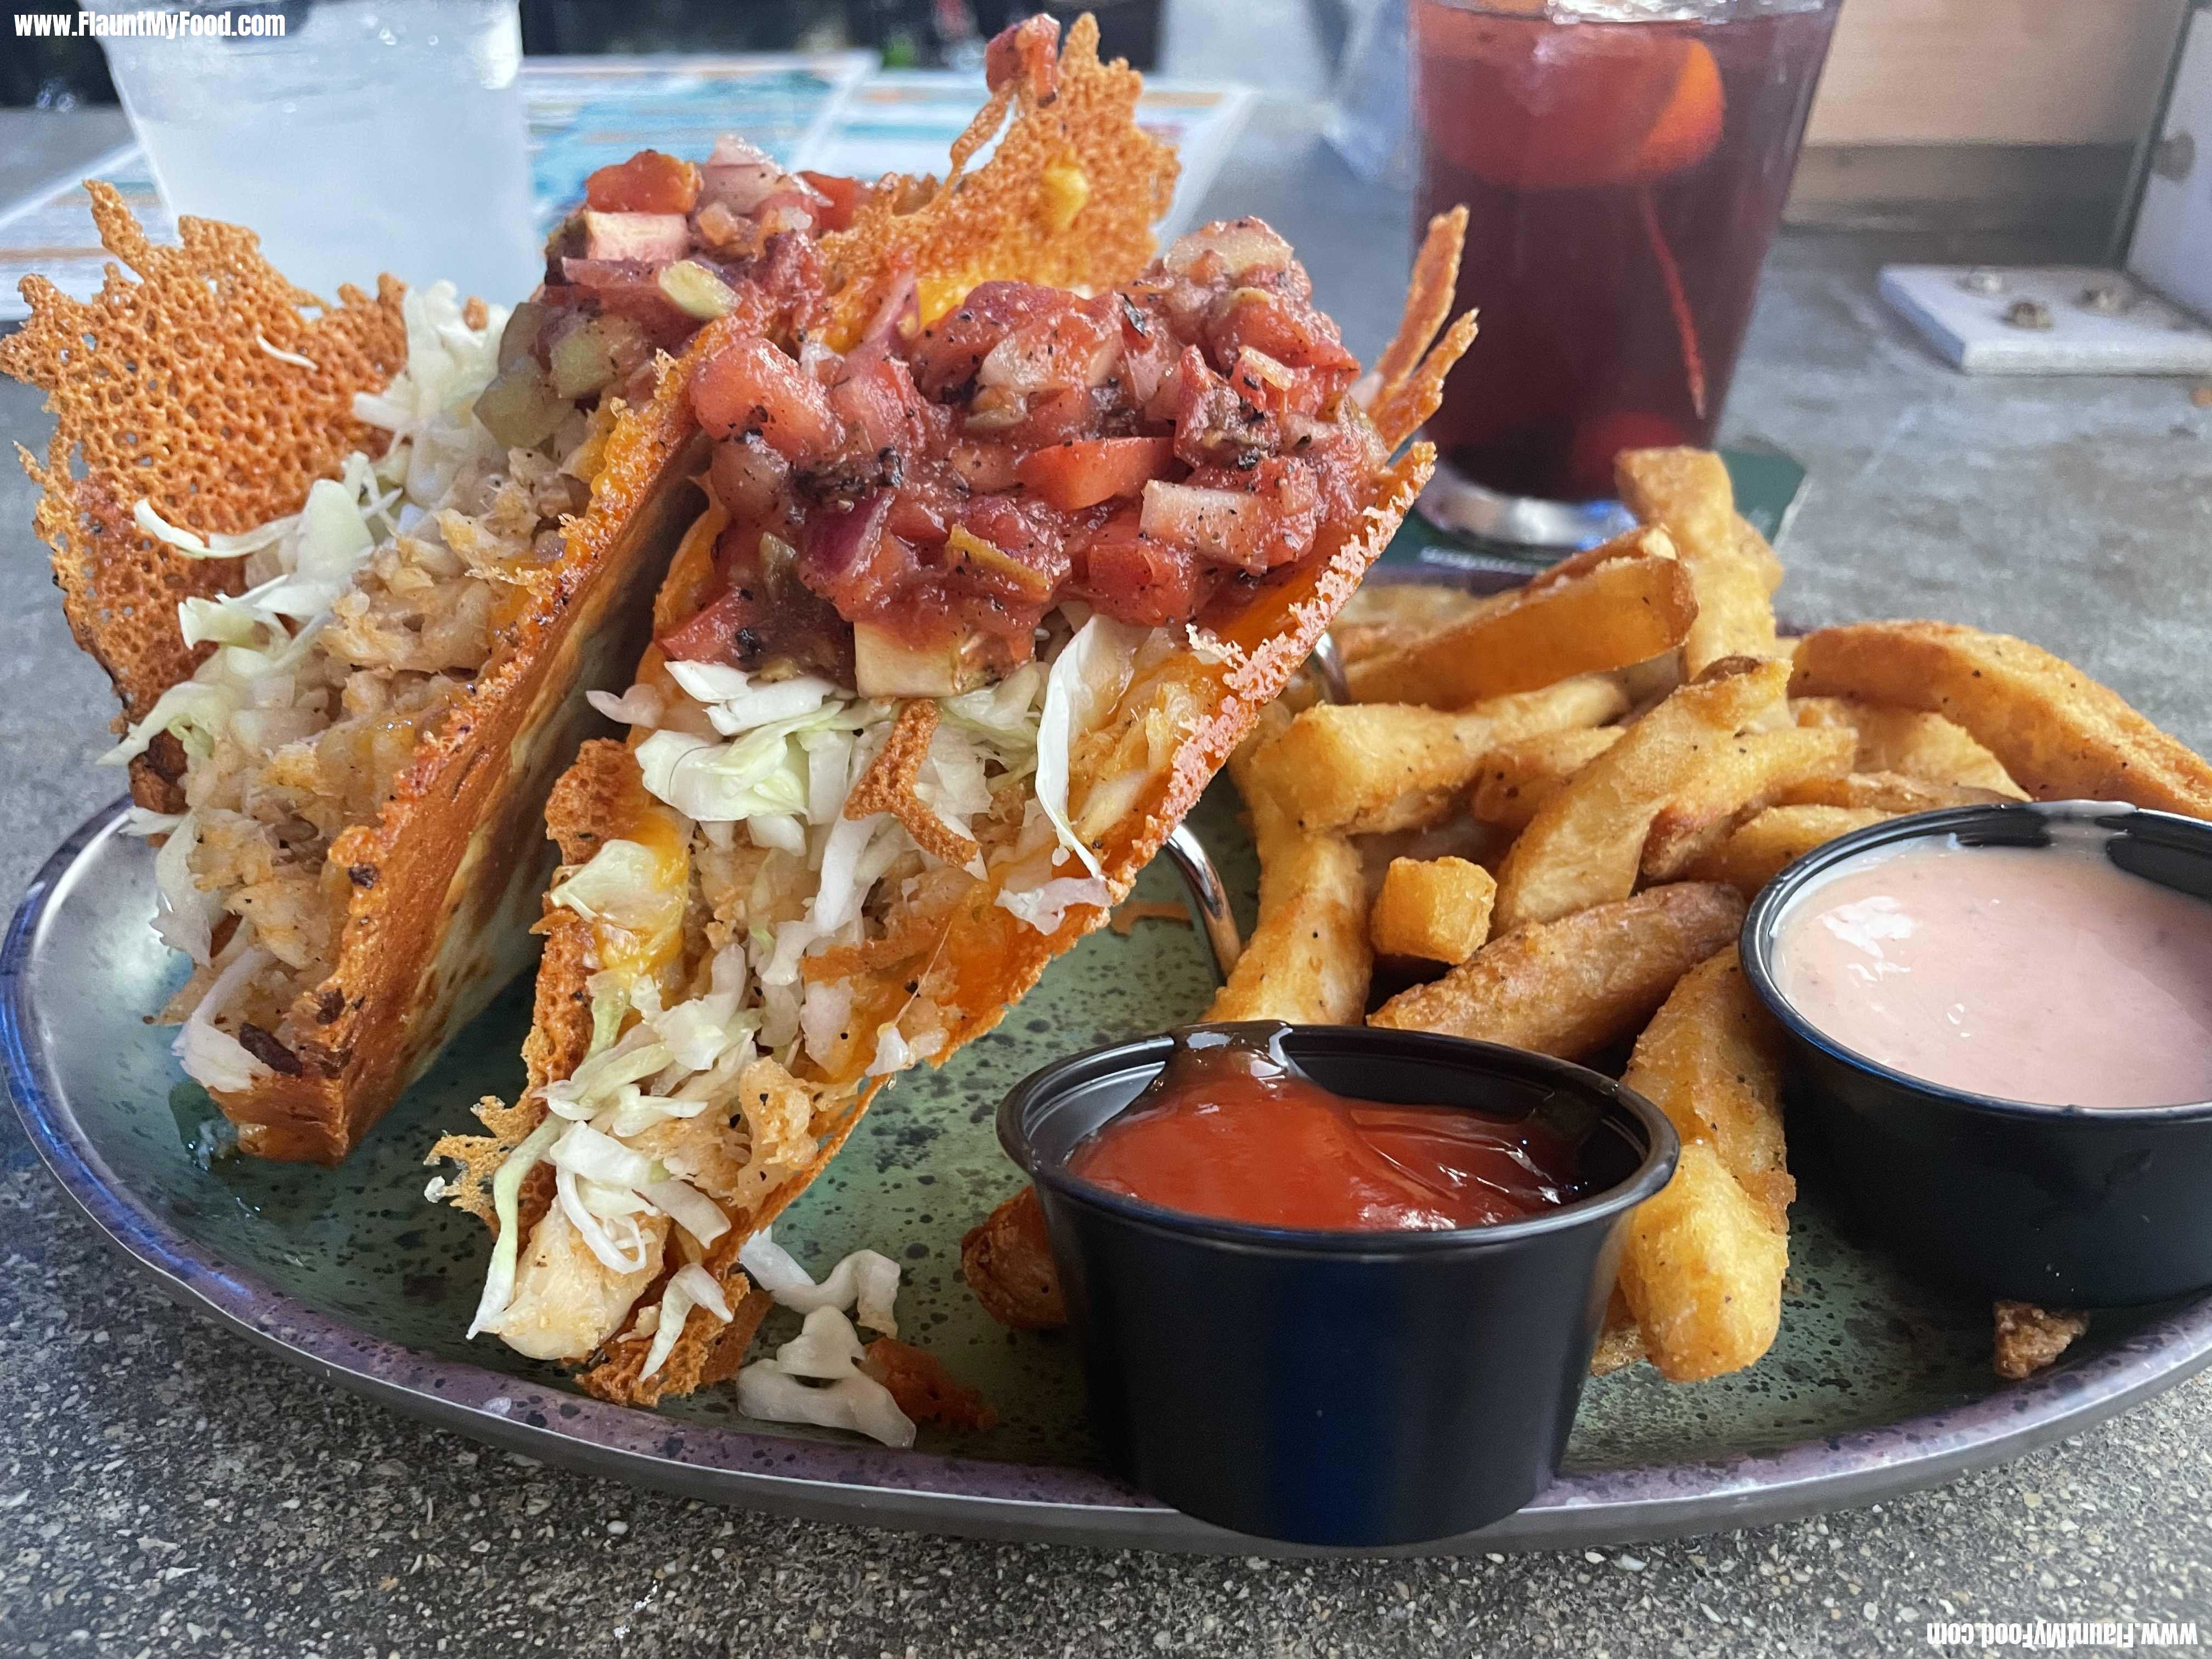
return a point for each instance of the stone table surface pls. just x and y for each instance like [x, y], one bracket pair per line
[164, 1490]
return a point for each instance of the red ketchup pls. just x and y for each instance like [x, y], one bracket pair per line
[1232, 1130]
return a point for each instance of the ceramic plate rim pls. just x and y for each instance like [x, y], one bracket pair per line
[924, 1491]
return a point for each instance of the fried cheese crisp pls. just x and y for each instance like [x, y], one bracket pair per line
[1068, 198]
[749, 938]
[206, 386]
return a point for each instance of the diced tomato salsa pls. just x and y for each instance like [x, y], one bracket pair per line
[608, 303]
[939, 489]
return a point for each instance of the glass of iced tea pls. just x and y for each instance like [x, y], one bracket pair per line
[1624, 164]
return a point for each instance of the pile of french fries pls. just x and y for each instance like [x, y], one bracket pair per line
[1543, 813]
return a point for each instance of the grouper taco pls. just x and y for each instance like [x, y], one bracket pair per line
[351, 568]
[987, 576]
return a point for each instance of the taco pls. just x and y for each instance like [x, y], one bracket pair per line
[351, 568]
[991, 575]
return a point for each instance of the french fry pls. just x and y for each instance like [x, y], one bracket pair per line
[1437, 909]
[1703, 1264]
[1765, 844]
[1890, 793]
[1371, 767]
[1382, 616]
[1742, 776]
[1308, 960]
[1920, 745]
[1585, 843]
[1619, 1341]
[1518, 777]
[1569, 987]
[1687, 490]
[2060, 734]
[1625, 611]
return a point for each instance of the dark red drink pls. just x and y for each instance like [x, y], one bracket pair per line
[1622, 182]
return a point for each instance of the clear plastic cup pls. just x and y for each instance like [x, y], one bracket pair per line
[372, 136]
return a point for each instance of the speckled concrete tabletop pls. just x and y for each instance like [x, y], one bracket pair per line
[163, 1490]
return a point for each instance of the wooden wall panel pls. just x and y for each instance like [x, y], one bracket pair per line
[1994, 71]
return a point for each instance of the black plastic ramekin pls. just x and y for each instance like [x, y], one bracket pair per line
[2065, 1205]
[1348, 1388]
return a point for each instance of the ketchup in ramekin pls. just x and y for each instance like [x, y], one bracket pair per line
[1234, 1131]
[1335, 1285]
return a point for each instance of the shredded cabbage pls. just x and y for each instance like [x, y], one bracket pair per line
[826, 1348]
[212, 1057]
[623, 883]
[1045, 906]
[639, 706]
[505, 1194]
[187, 914]
[318, 550]
[1081, 688]
[688, 1208]
[689, 1287]
[859, 1403]
[585, 1151]
[587, 1208]
[866, 1282]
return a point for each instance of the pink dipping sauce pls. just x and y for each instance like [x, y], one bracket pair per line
[2040, 974]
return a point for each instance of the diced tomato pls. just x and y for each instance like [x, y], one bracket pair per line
[1022, 530]
[753, 621]
[1289, 330]
[750, 480]
[1070, 476]
[850, 559]
[749, 386]
[1134, 579]
[649, 182]
[712, 635]
[917, 516]
[1058, 415]
[983, 467]
[788, 274]
[948, 353]
[1075, 347]
[1254, 519]
[841, 199]
[1026, 51]
[877, 401]
[1213, 423]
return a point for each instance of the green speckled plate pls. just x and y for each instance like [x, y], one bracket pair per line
[1876, 1385]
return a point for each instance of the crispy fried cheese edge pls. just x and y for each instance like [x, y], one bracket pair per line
[165, 387]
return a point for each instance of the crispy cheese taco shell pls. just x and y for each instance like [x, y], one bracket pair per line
[442, 884]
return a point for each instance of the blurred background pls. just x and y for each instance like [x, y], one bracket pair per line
[1964, 115]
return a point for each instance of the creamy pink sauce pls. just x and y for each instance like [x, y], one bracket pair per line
[2046, 974]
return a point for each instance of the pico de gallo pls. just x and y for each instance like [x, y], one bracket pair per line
[904, 515]
[660, 247]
